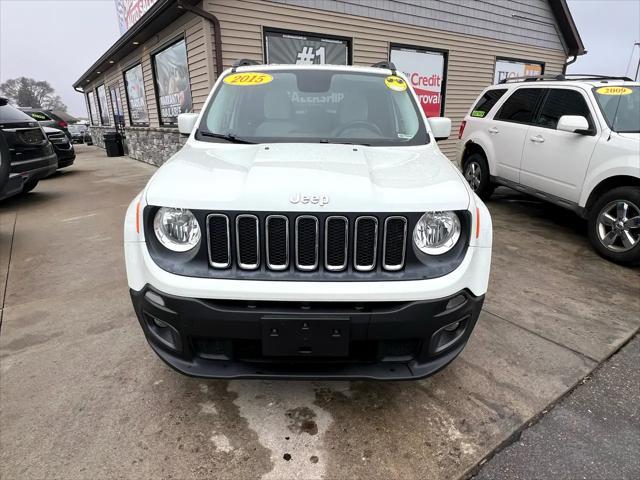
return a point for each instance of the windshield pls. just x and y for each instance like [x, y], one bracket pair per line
[620, 106]
[313, 106]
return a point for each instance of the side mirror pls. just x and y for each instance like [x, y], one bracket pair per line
[573, 124]
[187, 122]
[440, 127]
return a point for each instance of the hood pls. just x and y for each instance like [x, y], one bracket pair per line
[49, 130]
[631, 135]
[308, 177]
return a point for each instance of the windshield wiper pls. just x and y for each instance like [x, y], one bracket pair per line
[230, 137]
[325, 140]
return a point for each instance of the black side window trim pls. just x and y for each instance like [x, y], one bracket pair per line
[535, 112]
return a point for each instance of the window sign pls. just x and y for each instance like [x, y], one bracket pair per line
[425, 70]
[118, 115]
[513, 68]
[172, 82]
[104, 109]
[93, 108]
[134, 84]
[303, 49]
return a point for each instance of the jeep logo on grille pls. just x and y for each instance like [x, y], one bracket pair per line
[321, 200]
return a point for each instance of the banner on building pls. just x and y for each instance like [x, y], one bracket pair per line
[303, 49]
[130, 11]
[172, 79]
[93, 108]
[104, 109]
[425, 71]
[134, 84]
[512, 68]
[116, 105]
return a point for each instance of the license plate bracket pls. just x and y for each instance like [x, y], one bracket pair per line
[290, 336]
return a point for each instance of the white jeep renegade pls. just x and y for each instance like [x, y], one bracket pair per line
[575, 143]
[310, 227]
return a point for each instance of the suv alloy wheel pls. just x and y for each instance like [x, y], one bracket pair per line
[614, 225]
[476, 173]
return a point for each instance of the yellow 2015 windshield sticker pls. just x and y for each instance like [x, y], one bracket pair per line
[246, 79]
[395, 83]
[614, 91]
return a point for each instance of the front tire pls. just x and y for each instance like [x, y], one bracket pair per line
[476, 172]
[614, 225]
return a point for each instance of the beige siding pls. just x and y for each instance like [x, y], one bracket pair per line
[199, 41]
[471, 59]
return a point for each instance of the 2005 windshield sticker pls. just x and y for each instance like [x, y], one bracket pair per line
[248, 79]
[395, 83]
[614, 91]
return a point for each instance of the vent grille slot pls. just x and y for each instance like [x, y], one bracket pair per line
[336, 238]
[306, 242]
[247, 241]
[277, 237]
[365, 244]
[328, 243]
[219, 240]
[395, 242]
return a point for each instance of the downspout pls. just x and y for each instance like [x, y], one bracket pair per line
[217, 37]
[564, 67]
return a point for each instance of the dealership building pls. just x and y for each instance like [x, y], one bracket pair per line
[172, 51]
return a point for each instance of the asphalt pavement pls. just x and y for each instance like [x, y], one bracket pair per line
[593, 433]
[83, 396]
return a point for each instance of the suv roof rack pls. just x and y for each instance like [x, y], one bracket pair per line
[385, 64]
[560, 77]
[243, 62]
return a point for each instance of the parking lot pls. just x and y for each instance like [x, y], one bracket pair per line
[83, 396]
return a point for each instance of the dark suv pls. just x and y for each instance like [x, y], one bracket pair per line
[31, 153]
[49, 118]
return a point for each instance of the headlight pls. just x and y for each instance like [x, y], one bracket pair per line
[177, 229]
[436, 232]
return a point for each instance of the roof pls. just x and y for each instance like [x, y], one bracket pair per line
[163, 12]
[568, 27]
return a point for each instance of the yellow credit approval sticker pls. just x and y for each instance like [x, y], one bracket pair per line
[614, 91]
[395, 83]
[246, 79]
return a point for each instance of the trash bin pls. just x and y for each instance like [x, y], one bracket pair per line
[113, 144]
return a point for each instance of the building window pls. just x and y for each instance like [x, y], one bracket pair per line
[426, 69]
[134, 88]
[510, 67]
[305, 48]
[102, 104]
[173, 90]
[93, 108]
[116, 105]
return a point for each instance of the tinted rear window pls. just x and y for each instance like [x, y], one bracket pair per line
[520, 107]
[9, 114]
[486, 103]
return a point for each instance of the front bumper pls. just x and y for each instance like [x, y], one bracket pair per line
[230, 339]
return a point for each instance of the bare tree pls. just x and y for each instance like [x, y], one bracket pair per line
[27, 92]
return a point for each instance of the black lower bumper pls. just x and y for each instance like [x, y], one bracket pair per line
[298, 340]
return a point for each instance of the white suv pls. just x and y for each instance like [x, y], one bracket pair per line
[310, 227]
[575, 143]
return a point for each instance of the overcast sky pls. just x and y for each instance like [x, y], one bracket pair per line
[58, 40]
